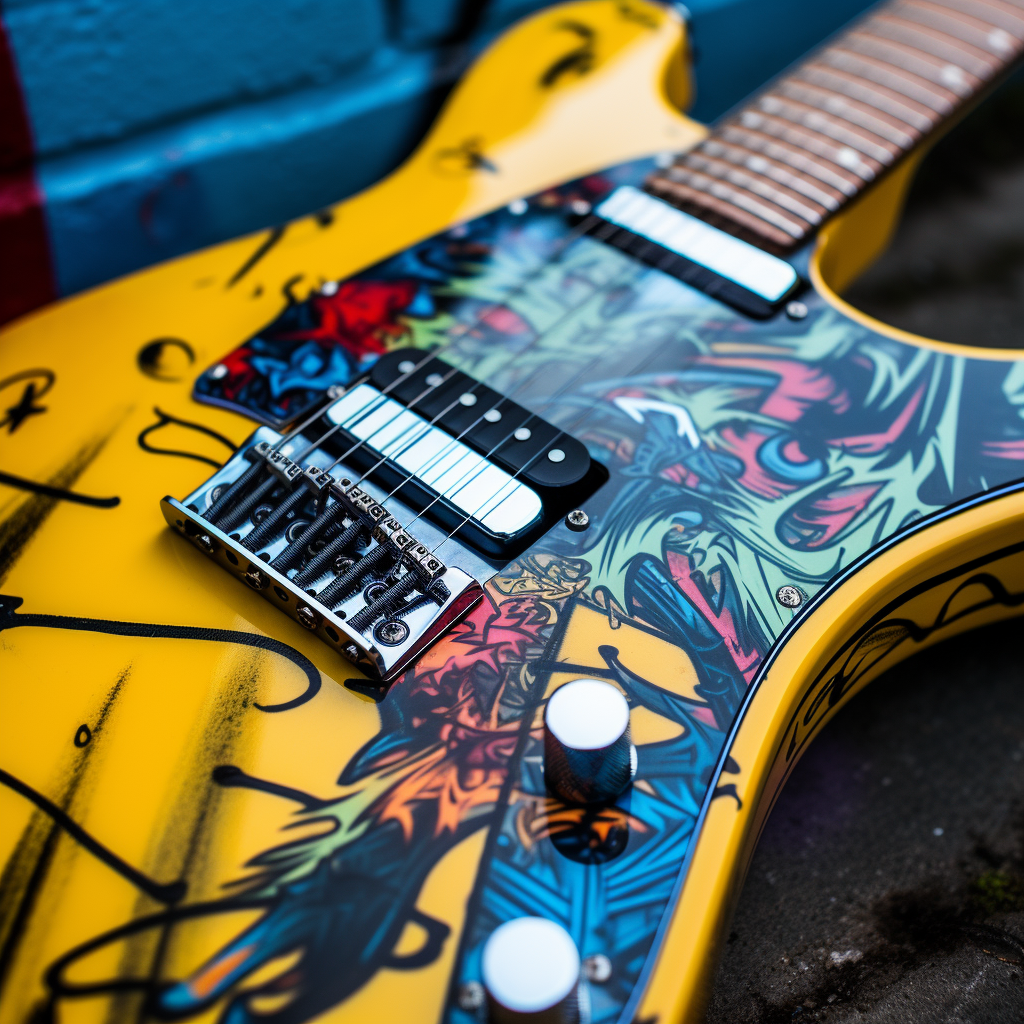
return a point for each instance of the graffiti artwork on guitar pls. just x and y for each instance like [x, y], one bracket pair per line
[621, 432]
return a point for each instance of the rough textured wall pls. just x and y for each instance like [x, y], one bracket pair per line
[161, 126]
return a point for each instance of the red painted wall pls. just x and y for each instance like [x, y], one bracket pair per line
[26, 274]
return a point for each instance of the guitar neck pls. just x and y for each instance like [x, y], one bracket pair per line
[821, 134]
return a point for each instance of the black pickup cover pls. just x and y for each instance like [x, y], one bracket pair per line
[491, 439]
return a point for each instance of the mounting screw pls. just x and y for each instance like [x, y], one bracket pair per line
[470, 996]
[577, 520]
[790, 596]
[218, 372]
[597, 968]
[256, 579]
[307, 617]
[391, 633]
[796, 310]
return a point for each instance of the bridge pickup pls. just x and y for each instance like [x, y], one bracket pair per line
[519, 441]
[324, 551]
[459, 453]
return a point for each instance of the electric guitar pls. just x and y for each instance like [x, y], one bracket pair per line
[412, 613]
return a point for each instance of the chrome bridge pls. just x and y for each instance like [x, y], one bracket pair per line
[321, 520]
[324, 551]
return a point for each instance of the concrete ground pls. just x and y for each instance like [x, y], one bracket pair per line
[889, 883]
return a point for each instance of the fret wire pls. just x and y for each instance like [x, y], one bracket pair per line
[818, 136]
[874, 95]
[929, 94]
[993, 11]
[740, 156]
[758, 184]
[841, 179]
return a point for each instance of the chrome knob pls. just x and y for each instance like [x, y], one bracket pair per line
[531, 973]
[588, 755]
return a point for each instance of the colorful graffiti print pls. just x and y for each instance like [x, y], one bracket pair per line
[742, 456]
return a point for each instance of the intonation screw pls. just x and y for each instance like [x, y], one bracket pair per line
[256, 579]
[577, 520]
[470, 996]
[597, 968]
[789, 596]
[796, 310]
[306, 616]
[218, 372]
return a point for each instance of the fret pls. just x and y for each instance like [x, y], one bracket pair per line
[893, 131]
[938, 44]
[841, 180]
[817, 137]
[840, 130]
[928, 94]
[720, 213]
[815, 142]
[759, 184]
[994, 12]
[982, 35]
[856, 88]
[827, 198]
[794, 226]
[924, 65]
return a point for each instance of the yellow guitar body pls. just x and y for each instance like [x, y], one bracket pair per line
[121, 732]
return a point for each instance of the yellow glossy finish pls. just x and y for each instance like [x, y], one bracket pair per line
[849, 243]
[137, 791]
[679, 989]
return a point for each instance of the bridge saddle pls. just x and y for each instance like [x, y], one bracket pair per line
[326, 552]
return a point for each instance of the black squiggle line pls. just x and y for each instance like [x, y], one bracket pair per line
[168, 894]
[9, 619]
[580, 60]
[163, 419]
[903, 629]
[729, 789]
[229, 775]
[268, 243]
[895, 631]
[57, 492]
[149, 355]
[54, 973]
[48, 375]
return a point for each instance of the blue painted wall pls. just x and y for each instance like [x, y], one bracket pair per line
[165, 125]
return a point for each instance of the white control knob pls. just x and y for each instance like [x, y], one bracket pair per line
[588, 756]
[531, 972]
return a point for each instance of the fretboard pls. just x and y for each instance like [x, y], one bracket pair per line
[815, 138]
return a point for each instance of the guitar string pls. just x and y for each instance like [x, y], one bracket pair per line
[562, 431]
[381, 399]
[459, 485]
[449, 492]
[420, 430]
[608, 230]
[636, 269]
[607, 233]
[581, 229]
